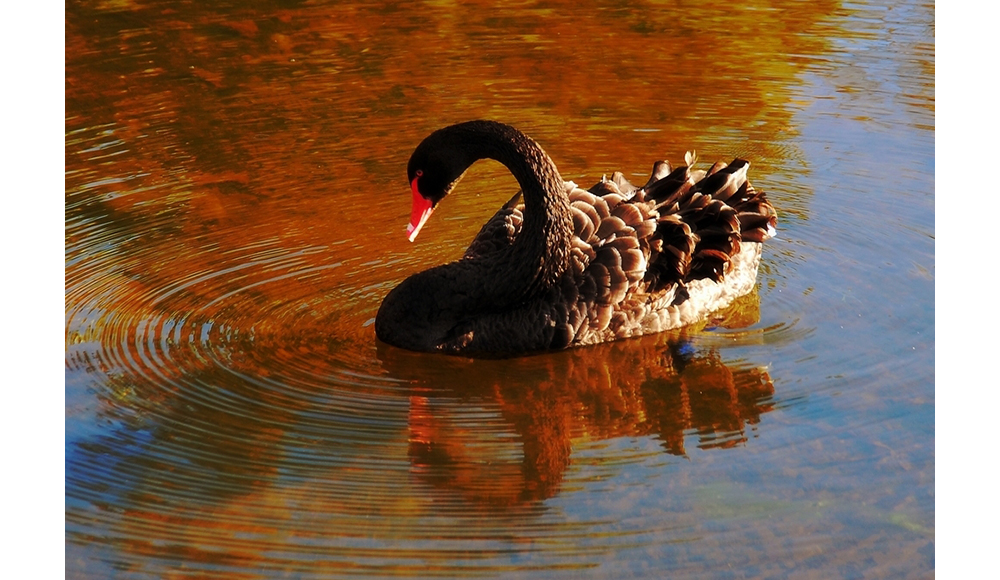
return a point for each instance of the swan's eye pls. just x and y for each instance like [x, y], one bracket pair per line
[419, 173]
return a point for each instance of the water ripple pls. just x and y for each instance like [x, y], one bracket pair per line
[235, 209]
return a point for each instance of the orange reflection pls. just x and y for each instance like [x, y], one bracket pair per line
[235, 205]
[294, 123]
[654, 386]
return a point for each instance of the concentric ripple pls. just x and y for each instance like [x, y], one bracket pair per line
[248, 400]
[235, 212]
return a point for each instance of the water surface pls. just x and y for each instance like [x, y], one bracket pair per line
[236, 204]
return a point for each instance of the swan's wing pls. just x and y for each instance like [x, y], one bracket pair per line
[719, 207]
[683, 225]
[636, 251]
[619, 237]
[499, 231]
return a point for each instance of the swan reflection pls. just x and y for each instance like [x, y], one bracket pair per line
[500, 432]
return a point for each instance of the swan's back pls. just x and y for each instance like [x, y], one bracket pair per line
[643, 259]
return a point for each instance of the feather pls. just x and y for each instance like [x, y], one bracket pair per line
[583, 225]
[602, 316]
[584, 196]
[608, 226]
[624, 186]
[645, 229]
[591, 213]
[718, 165]
[661, 169]
[619, 284]
[602, 281]
[604, 187]
[613, 199]
[634, 264]
[629, 213]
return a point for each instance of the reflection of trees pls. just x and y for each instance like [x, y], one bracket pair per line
[654, 386]
[203, 137]
[202, 118]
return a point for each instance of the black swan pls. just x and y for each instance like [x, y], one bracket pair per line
[569, 267]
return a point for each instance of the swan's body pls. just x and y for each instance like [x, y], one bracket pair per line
[570, 267]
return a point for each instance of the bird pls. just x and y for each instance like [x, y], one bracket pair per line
[558, 266]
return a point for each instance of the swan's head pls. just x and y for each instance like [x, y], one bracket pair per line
[435, 167]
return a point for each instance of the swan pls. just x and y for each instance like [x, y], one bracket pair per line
[558, 266]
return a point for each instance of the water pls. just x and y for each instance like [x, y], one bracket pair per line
[236, 204]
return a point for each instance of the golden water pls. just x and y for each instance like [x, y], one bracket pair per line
[236, 204]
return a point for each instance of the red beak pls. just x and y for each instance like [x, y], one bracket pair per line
[422, 209]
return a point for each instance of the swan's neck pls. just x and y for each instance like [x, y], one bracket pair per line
[540, 255]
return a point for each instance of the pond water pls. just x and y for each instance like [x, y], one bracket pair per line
[236, 203]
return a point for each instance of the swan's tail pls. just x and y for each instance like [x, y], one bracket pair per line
[704, 215]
